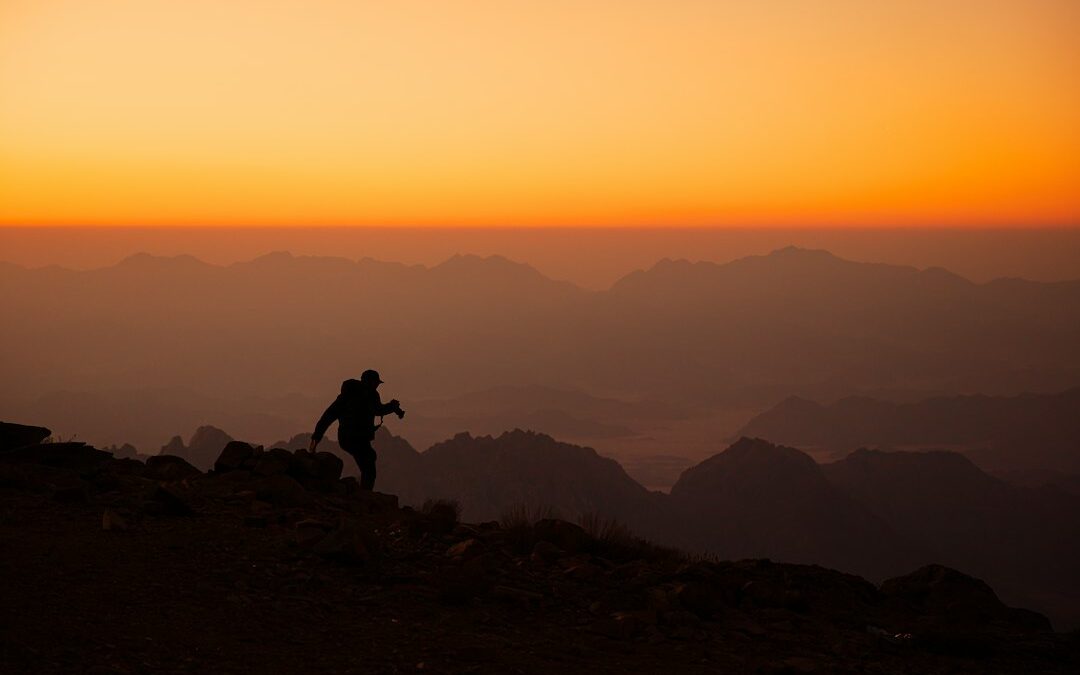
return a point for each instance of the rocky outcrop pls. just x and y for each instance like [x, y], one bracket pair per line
[250, 549]
[14, 436]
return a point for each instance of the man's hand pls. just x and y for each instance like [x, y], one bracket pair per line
[314, 444]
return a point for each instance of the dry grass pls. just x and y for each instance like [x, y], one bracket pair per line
[524, 516]
[442, 514]
[614, 540]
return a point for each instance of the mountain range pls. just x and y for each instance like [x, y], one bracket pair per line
[669, 361]
[1030, 438]
[747, 332]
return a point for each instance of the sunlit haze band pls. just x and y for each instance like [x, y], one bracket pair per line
[635, 112]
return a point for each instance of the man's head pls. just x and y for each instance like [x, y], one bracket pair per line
[371, 378]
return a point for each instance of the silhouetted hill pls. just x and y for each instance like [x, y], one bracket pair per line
[1032, 435]
[1027, 540]
[489, 476]
[756, 499]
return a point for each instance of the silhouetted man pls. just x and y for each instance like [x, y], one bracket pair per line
[355, 410]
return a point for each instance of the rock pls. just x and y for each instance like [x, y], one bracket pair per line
[440, 516]
[272, 462]
[327, 466]
[255, 521]
[349, 543]
[467, 548]
[71, 494]
[567, 536]
[170, 467]
[280, 490]
[233, 456]
[73, 456]
[803, 665]
[663, 598]
[771, 594]
[620, 625]
[700, 597]
[458, 585]
[310, 531]
[545, 552]
[111, 521]
[680, 618]
[348, 486]
[584, 571]
[14, 436]
[516, 595]
[368, 502]
[166, 501]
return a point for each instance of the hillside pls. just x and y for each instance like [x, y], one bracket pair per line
[873, 513]
[271, 563]
[1035, 437]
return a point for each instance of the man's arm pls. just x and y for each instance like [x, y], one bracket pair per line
[328, 418]
[385, 408]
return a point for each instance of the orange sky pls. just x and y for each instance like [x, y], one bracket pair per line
[564, 112]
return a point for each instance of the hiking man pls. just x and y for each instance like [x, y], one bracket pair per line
[355, 410]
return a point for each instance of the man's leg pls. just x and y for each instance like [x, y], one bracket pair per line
[365, 459]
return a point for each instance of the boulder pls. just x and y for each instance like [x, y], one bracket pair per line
[76, 493]
[280, 490]
[327, 466]
[699, 597]
[73, 456]
[349, 543]
[458, 585]
[567, 536]
[170, 467]
[546, 552]
[166, 501]
[467, 548]
[310, 531]
[233, 456]
[112, 521]
[272, 462]
[19, 435]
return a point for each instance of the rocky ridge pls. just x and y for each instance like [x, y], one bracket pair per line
[273, 562]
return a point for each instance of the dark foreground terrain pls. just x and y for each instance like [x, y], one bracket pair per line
[273, 563]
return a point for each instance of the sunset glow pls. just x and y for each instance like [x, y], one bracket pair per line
[636, 112]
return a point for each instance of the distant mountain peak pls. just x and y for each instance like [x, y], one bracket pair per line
[793, 251]
[469, 261]
[144, 260]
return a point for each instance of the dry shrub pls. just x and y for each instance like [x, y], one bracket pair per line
[613, 540]
[442, 515]
[518, 521]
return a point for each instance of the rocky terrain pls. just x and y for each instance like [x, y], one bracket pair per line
[271, 562]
